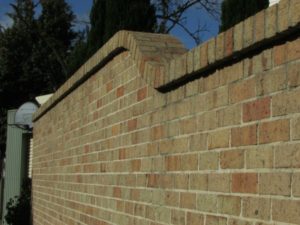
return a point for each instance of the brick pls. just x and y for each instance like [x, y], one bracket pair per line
[207, 203]
[178, 217]
[163, 214]
[218, 139]
[260, 157]
[198, 181]
[233, 159]
[198, 142]
[275, 184]
[242, 136]
[287, 211]
[209, 161]
[274, 131]
[165, 180]
[214, 220]
[259, 32]
[242, 90]
[203, 54]
[280, 54]
[188, 126]
[257, 64]
[238, 36]
[257, 110]
[219, 182]
[267, 58]
[135, 165]
[211, 50]
[231, 73]
[283, 11]
[271, 81]
[296, 185]
[294, 17]
[188, 200]
[220, 46]
[173, 163]
[181, 181]
[248, 67]
[207, 121]
[295, 124]
[189, 162]
[286, 103]
[230, 205]
[293, 74]
[293, 49]
[244, 182]
[271, 21]
[120, 91]
[233, 221]
[172, 198]
[228, 42]
[212, 81]
[132, 124]
[142, 93]
[195, 219]
[231, 115]
[248, 32]
[191, 88]
[287, 156]
[190, 60]
[257, 208]
[157, 132]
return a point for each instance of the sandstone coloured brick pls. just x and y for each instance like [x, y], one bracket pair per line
[218, 139]
[260, 157]
[286, 211]
[293, 75]
[275, 184]
[233, 159]
[258, 208]
[219, 182]
[287, 156]
[207, 203]
[209, 161]
[230, 205]
[195, 218]
[286, 103]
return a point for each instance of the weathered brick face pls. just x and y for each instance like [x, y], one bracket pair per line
[126, 146]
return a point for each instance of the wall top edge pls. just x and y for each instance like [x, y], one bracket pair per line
[162, 60]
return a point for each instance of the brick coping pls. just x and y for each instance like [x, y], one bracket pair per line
[163, 61]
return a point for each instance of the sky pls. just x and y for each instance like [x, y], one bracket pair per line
[81, 8]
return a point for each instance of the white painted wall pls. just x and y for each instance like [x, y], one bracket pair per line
[272, 2]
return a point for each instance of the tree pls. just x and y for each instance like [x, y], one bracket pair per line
[19, 208]
[234, 11]
[32, 54]
[172, 13]
[107, 17]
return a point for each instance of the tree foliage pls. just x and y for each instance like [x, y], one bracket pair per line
[33, 54]
[19, 208]
[234, 11]
[108, 17]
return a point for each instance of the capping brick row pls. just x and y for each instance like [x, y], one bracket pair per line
[162, 59]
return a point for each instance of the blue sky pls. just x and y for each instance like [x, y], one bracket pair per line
[82, 8]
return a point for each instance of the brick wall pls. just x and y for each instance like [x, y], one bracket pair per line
[148, 133]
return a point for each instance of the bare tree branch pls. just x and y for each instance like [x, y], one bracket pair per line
[171, 14]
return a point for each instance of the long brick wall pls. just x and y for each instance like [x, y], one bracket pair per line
[148, 133]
